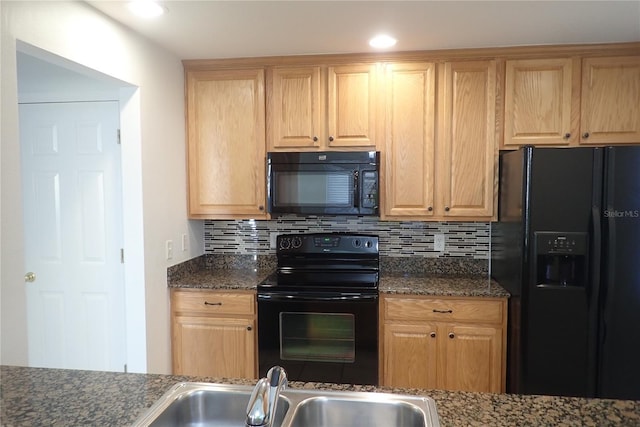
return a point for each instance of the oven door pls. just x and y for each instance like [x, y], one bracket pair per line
[320, 337]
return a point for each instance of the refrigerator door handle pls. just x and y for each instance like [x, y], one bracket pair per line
[596, 245]
[594, 289]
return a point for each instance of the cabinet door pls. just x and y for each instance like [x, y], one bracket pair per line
[473, 358]
[226, 144]
[410, 355]
[467, 143]
[294, 112]
[351, 106]
[409, 140]
[610, 100]
[215, 347]
[538, 100]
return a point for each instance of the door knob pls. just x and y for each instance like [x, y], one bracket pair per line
[30, 277]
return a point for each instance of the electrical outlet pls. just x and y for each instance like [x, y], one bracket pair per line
[272, 240]
[169, 249]
[184, 242]
[438, 242]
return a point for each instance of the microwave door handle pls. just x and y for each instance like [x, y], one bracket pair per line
[356, 189]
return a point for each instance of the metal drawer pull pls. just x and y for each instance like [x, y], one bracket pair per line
[212, 303]
[451, 335]
[432, 334]
[442, 311]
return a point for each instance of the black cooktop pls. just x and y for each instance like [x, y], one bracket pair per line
[323, 261]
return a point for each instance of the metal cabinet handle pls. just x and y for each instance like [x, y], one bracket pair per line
[430, 208]
[432, 334]
[451, 335]
[585, 135]
[442, 311]
[30, 277]
[315, 139]
[447, 208]
[261, 208]
[567, 135]
[212, 303]
[249, 328]
[330, 139]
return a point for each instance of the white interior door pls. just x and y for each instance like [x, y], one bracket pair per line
[73, 235]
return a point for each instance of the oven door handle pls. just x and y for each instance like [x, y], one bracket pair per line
[307, 298]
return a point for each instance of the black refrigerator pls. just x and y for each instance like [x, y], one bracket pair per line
[567, 247]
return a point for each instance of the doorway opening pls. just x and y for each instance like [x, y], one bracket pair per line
[86, 318]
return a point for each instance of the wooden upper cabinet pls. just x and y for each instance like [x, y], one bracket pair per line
[538, 102]
[295, 117]
[467, 139]
[351, 106]
[226, 143]
[322, 108]
[439, 169]
[409, 162]
[572, 101]
[610, 102]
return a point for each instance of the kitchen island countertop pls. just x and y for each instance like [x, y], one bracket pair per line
[57, 397]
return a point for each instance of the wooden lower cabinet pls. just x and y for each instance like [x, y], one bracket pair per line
[443, 343]
[213, 333]
[410, 354]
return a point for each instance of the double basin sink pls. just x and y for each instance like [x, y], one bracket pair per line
[221, 405]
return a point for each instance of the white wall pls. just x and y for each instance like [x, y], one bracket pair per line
[152, 121]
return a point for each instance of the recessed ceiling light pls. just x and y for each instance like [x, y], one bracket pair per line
[382, 41]
[146, 8]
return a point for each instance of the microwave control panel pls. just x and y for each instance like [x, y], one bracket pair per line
[369, 189]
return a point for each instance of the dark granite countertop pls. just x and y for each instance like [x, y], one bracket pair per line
[55, 397]
[228, 273]
[462, 286]
[238, 279]
[397, 283]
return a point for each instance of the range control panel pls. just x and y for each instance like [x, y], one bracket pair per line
[570, 243]
[327, 242]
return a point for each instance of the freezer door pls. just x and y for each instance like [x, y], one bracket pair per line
[556, 301]
[619, 374]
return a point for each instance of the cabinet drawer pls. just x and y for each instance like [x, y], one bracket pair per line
[443, 309]
[212, 302]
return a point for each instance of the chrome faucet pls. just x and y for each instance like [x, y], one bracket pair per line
[263, 403]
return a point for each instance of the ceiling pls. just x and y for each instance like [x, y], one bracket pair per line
[223, 29]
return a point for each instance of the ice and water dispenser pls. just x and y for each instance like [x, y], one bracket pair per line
[561, 258]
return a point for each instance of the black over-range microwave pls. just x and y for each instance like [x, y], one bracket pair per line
[323, 183]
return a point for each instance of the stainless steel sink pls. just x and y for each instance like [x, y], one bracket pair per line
[200, 404]
[221, 405]
[363, 409]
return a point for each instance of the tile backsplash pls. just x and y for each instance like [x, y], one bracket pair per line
[397, 239]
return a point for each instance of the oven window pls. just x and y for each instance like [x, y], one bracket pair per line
[326, 337]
